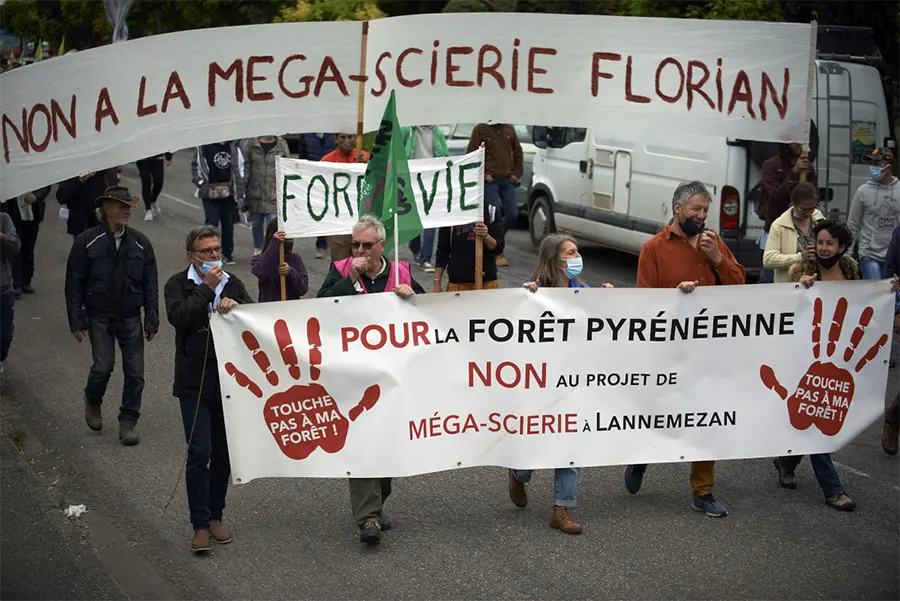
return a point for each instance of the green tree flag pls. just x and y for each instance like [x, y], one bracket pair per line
[387, 187]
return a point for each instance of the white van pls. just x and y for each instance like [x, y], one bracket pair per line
[615, 190]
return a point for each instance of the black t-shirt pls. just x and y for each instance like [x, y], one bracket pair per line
[456, 249]
[267, 146]
[218, 157]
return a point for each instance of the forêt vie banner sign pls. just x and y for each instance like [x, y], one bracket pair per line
[115, 104]
[375, 386]
[322, 199]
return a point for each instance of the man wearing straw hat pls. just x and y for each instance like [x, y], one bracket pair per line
[110, 276]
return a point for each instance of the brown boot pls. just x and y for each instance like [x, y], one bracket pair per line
[219, 533]
[563, 520]
[517, 492]
[200, 542]
[502, 261]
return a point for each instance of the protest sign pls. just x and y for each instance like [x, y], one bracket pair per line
[561, 377]
[112, 105]
[322, 199]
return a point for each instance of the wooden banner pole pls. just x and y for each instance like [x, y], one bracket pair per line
[283, 278]
[360, 109]
[479, 252]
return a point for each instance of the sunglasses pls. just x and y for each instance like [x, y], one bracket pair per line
[366, 245]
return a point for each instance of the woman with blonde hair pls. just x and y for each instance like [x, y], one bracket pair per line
[559, 266]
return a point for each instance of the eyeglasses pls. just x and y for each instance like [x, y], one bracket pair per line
[208, 252]
[366, 245]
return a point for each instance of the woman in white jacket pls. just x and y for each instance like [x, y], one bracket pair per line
[791, 237]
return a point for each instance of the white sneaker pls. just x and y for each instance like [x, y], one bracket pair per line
[156, 210]
[427, 267]
[257, 251]
[148, 216]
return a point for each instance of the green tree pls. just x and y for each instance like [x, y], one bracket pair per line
[330, 10]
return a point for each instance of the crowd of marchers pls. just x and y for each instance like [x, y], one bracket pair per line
[112, 287]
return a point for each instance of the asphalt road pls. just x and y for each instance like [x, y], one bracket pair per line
[456, 535]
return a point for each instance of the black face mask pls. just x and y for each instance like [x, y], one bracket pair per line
[828, 262]
[690, 227]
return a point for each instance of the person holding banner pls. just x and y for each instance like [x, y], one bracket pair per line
[891, 429]
[312, 147]
[456, 253]
[503, 168]
[218, 173]
[268, 268]
[790, 238]
[685, 255]
[344, 153]
[559, 265]
[368, 272]
[191, 295]
[831, 264]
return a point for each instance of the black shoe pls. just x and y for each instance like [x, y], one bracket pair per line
[370, 533]
[93, 416]
[27, 289]
[18, 293]
[385, 522]
[785, 478]
[127, 434]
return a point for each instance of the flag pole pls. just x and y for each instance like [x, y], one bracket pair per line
[280, 263]
[479, 251]
[396, 246]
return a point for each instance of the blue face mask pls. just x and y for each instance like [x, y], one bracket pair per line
[573, 267]
[207, 265]
[876, 174]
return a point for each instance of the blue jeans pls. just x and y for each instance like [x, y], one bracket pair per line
[222, 211]
[766, 276]
[103, 333]
[822, 466]
[565, 484]
[208, 467]
[423, 246]
[7, 312]
[502, 194]
[871, 268]
[259, 225]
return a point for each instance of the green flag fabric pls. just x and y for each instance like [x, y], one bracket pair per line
[62, 47]
[387, 188]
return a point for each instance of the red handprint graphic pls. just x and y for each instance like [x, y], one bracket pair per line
[824, 394]
[303, 417]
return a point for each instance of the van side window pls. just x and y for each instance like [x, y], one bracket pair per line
[574, 134]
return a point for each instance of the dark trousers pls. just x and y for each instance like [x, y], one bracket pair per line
[7, 313]
[103, 334]
[23, 263]
[322, 243]
[822, 466]
[208, 467]
[367, 497]
[502, 194]
[892, 415]
[152, 175]
[222, 211]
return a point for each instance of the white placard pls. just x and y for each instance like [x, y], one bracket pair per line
[385, 387]
[112, 105]
[322, 199]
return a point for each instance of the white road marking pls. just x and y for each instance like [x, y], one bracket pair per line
[180, 201]
[863, 474]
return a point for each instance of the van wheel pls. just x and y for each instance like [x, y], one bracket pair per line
[540, 221]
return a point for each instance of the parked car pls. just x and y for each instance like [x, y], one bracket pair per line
[458, 135]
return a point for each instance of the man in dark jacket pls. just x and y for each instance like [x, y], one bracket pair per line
[779, 176]
[313, 147]
[191, 295]
[110, 276]
[27, 212]
[9, 248]
[78, 194]
[891, 427]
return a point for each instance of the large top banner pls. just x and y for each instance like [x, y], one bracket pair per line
[119, 103]
[558, 378]
[322, 199]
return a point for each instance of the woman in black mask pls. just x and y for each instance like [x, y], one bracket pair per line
[830, 264]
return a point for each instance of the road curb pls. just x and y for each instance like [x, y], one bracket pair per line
[118, 557]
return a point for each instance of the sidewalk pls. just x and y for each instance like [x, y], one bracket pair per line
[43, 556]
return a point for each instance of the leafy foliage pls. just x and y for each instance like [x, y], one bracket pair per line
[330, 10]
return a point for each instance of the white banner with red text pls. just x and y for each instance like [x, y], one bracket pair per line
[322, 199]
[115, 104]
[374, 386]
